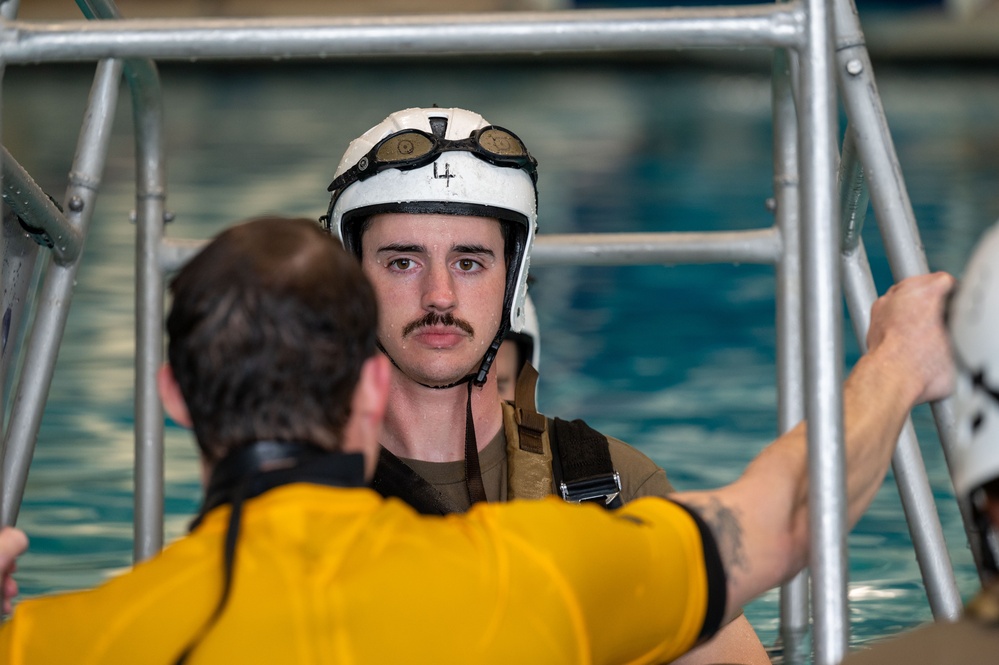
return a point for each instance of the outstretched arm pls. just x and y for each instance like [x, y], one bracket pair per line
[761, 520]
[13, 542]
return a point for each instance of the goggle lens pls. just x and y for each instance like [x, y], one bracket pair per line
[403, 148]
[501, 142]
[412, 148]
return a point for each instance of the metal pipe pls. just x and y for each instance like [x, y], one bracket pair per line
[20, 254]
[907, 461]
[49, 226]
[889, 197]
[150, 207]
[794, 614]
[57, 293]
[766, 26]
[760, 246]
[147, 105]
[823, 336]
[892, 206]
[755, 246]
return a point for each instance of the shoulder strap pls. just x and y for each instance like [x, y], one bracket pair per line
[570, 459]
[394, 479]
[528, 452]
[583, 467]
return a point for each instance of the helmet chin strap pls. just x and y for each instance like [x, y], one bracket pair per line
[473, 472]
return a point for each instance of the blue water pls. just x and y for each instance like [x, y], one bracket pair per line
[676, 360]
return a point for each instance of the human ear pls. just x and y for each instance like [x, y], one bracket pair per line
[173, 401]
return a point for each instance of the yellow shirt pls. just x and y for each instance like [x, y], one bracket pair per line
[334, 575]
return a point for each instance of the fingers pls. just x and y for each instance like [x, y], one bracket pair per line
[13, 543]
[10, 590]
[907, 328]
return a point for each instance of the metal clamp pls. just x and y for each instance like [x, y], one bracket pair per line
[605, 487]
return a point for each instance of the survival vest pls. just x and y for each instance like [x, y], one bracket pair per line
[544, 456]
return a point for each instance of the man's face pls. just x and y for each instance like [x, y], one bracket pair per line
[440, 281]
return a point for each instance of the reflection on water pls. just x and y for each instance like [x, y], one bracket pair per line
[677, 360]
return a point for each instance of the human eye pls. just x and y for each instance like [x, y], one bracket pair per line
[466, 264]
[402, 264]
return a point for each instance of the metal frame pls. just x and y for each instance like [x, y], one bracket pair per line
[817, 44]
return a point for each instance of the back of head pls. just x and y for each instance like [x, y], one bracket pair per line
[269, 327]
[973, 318]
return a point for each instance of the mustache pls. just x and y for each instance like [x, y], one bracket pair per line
[434, 319]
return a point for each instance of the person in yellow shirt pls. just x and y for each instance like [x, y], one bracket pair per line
[273, 363]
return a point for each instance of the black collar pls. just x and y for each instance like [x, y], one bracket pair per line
[264, 465]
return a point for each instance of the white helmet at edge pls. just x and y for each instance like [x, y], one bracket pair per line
[461, 175]
[973, 319]
[528, 338]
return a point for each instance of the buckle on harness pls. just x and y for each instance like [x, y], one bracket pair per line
[605, 488]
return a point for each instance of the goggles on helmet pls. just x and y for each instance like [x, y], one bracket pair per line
[413, 148]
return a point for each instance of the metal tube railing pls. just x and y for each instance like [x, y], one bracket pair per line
[823, 337]
[907, 462]
[150, 183]
[36, 209]
[794, 614]
[20, 254]
[765, 26]
[889, 197]
[57, 292]
[761, 246]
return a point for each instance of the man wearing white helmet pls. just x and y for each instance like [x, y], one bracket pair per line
[517, 349]
[973, 319]
[441, 208]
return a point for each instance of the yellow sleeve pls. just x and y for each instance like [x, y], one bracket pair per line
[636, 579]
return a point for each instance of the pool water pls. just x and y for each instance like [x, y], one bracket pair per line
[677, 360]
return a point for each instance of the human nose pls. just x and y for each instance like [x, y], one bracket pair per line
[438, 291]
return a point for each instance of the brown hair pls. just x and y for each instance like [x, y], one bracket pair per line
[269, 327]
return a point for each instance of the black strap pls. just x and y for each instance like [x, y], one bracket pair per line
[393, 478]
[251, 471]
[584, 464]
[473, 473]
[264, 465]
[581, 458]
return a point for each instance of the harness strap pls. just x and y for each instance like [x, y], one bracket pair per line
[530, 423]
[473, 474]
[394, 479]
[585, 467]
[574, 456]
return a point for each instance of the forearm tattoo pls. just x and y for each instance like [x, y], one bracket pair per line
[726, 525]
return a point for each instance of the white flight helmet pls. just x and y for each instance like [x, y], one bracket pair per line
[441, 161]
[973, 318]
[528, 338]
